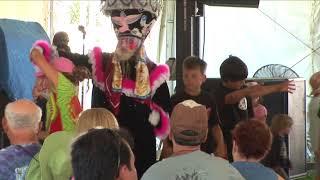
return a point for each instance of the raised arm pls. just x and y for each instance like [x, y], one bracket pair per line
[39, 60]
[259, 90]
[77, 59]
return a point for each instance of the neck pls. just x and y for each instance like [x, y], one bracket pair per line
[194, 92]
[20, 137]
[180, 150]
[241, 158]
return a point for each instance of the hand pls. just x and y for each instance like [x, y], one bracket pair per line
[35, 54]
[287, 86]
[41, 84]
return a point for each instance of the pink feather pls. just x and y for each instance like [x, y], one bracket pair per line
[46, 48]
[160, 70]
[164, 128]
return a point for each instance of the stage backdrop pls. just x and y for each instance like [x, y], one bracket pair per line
[16, 71]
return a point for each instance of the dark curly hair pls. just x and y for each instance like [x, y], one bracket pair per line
[233, 69]
[253, 138]
[99, 154]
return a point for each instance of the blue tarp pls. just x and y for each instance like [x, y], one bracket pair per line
[16, 71]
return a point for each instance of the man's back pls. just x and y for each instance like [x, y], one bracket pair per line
[15, 160]
[192, 166]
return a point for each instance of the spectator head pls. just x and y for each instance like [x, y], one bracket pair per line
[22, 120]
[60, 39]
[189, 124]
[260, 113]
[193, 73]
[281, 124]
[233, 70]
[96, 117]
[315, 83]
[102, 154]
[251, 140]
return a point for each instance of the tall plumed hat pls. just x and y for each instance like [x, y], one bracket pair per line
[153, 6]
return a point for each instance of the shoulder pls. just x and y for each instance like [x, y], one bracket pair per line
[63, 81]
[270, 171]
[6, 152]
[156, 171]
[59, 135]
[177, 97]
[57, 140]
[207, 95]
[224, 167]
[220, 92]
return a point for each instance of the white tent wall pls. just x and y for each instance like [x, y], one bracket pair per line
[278, 32]
[254, 35]
[315, 35]
[37, 11]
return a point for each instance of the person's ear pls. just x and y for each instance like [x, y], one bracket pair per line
[123, 170]
[234, 147]
[204, 78]
[40, 124]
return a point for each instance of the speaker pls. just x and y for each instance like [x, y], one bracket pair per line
[285, 103]
[232, 3]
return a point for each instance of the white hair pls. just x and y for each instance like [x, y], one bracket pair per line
[23, 120]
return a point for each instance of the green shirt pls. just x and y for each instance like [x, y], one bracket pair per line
[54, 160]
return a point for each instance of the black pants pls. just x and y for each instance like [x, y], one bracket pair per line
[134, 117]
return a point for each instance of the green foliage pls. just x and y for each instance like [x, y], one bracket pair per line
[74, 12]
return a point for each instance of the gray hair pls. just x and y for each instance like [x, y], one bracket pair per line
[18, 119]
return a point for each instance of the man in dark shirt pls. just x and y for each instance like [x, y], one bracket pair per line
[234, 99]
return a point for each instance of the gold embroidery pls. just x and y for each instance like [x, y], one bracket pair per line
[142, 88]
[117, 76]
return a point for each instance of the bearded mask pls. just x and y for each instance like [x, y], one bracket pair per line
[132, 21]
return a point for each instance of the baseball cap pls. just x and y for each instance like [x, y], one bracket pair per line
[189, 123]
